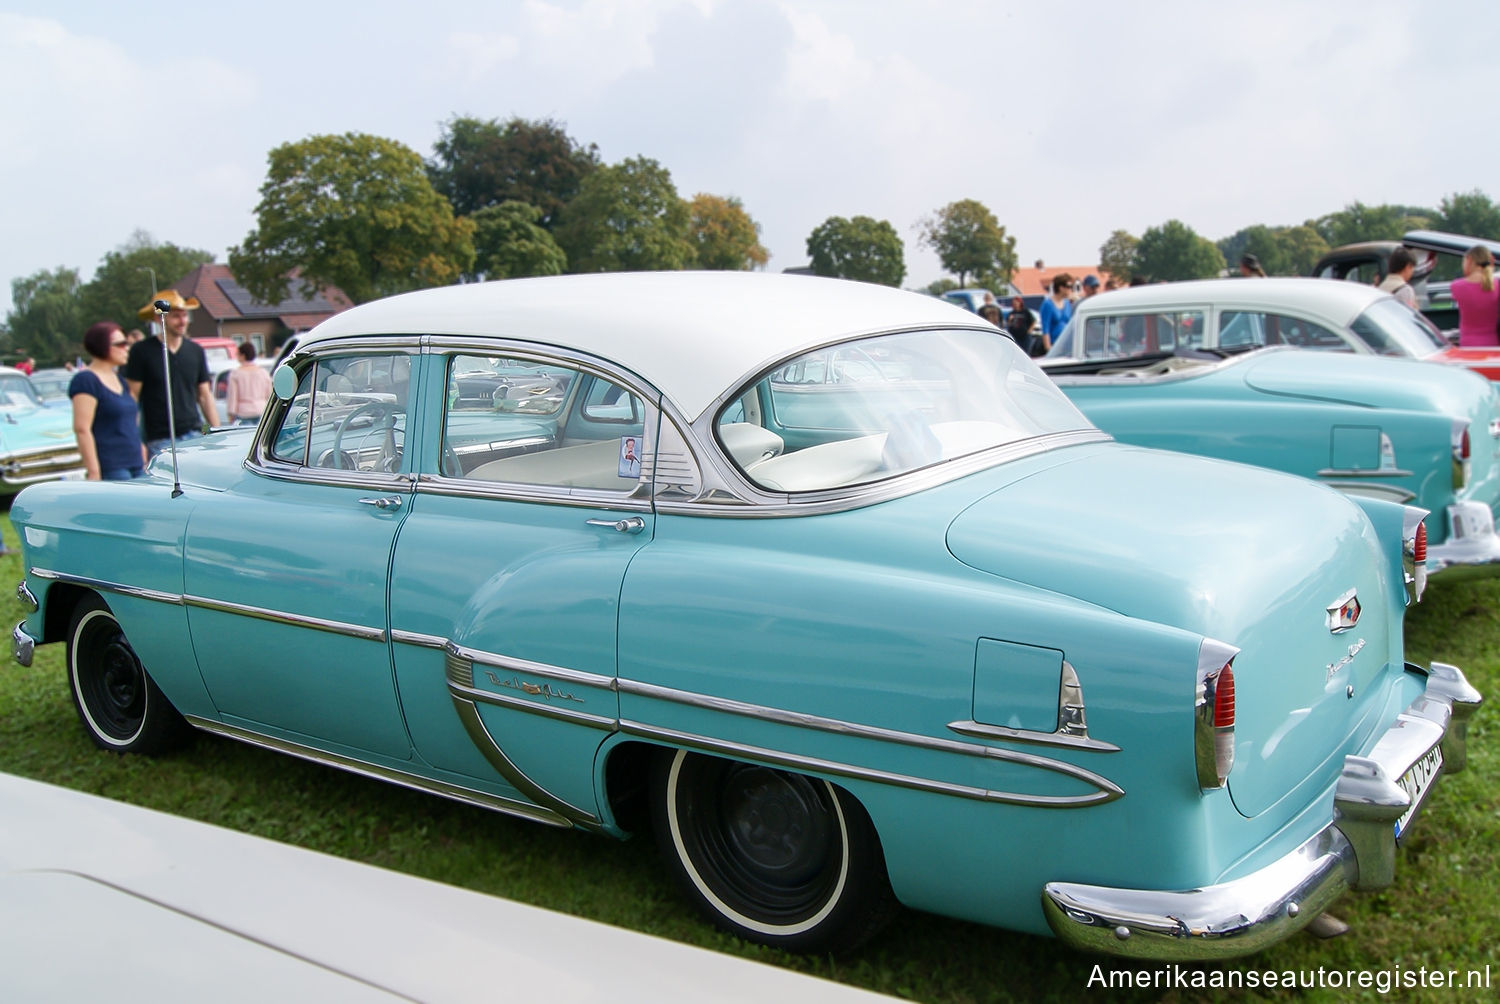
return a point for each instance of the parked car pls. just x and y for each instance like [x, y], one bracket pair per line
[51, 385]
[972, 299]
[1386, 428]
[1235, 313]
[925, 637]
[1439, 261]
[172, 909]
[36, 442]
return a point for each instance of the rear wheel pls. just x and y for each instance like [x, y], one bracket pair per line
[118, 703]
[774, 857]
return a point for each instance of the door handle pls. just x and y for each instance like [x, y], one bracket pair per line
[384, 502]
[630, 524]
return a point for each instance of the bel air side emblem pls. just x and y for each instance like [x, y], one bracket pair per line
[1343, 613]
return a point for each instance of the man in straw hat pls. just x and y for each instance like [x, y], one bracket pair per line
[146, 373]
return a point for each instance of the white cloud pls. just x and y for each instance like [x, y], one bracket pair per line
[478, 53]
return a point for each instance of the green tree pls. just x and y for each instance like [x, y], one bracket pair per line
[969, 241]
[1359, 222]
[509, 242]
[1470, 213]
[122, 283]
[1174, 251]
[861, 248]
[940, 286]
[724, 236]
[45, 320]
[1117, 255]
[627, 217]
[353, 211]
[1301, 247]
[483, 162]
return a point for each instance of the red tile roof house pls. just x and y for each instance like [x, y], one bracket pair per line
[227, 310]
[1038, 281]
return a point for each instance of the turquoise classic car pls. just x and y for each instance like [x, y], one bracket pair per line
[36, 442]
[1373, 426]
[823, 584]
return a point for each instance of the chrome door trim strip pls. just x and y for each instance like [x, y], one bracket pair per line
[279, 617]
[483, 800]
[175, 599]
[839, 727]
[1358, 472]
[979, 730]
[418, 639]
[1107, 792]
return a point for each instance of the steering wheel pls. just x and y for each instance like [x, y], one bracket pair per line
[382, 412]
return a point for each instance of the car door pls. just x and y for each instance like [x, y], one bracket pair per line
[286, 576]
[506, 577]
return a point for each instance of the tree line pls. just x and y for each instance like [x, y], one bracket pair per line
[504, 199]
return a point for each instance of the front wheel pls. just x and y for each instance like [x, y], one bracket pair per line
[774, 857]
[119, 704]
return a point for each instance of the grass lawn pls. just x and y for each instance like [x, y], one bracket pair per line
[1441, 913]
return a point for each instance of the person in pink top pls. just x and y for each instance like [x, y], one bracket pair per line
[1477, 299]
[249, 389]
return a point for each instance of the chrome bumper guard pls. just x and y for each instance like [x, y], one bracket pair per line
[1472, 547]
[1375, 802]
[22, 645]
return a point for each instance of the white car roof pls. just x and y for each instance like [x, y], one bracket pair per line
[1337, 299]
[690, 334]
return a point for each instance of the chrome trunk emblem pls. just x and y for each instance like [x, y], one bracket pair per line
[1343, 613]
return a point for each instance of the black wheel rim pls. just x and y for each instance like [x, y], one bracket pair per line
[111, 682]
[769, 844]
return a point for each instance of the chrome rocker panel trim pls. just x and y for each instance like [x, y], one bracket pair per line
[1356, 850]
[468, 796]
[1472, 547]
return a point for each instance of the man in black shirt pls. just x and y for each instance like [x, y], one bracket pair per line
[146, 373]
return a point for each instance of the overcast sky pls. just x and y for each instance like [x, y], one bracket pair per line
[1068, 121]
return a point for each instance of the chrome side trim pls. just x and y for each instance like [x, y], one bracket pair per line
[978, 730]
[1108, 789]
[280, 617]
[1374, 490]
[105, 586]
[483, 800]
[474, 696]
[24, 594]
[514, 665]
[417, 639]
[1107, 792]
[491, 751]
[1360, 472]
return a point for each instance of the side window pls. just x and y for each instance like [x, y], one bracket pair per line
[519, 422]
[1238, 328]
[1190, 329]
[1298, 331]
[349, 413]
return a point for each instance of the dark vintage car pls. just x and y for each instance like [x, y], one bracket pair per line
[1439, 261]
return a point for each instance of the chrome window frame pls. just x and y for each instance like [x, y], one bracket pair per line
[260, 461]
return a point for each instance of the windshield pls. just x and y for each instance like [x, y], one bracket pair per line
[874, 408]
[1392, 328]
[16, 392]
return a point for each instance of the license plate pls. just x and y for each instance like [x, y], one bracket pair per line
[1416, 781]
[73, 476]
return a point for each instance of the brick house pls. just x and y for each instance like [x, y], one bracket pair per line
[227, 310]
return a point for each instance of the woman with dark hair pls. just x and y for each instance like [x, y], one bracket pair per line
[1057, 310]
[104, 413]
[1477, 298]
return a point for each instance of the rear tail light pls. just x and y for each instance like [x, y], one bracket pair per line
[1414, 552]
[1463, 448]
[1213, 722]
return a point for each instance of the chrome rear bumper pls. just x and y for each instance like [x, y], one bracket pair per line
[1356, 850]
[1472, 546]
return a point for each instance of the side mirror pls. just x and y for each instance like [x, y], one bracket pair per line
[284, 382]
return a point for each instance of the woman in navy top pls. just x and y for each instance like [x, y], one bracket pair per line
[104, 413]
